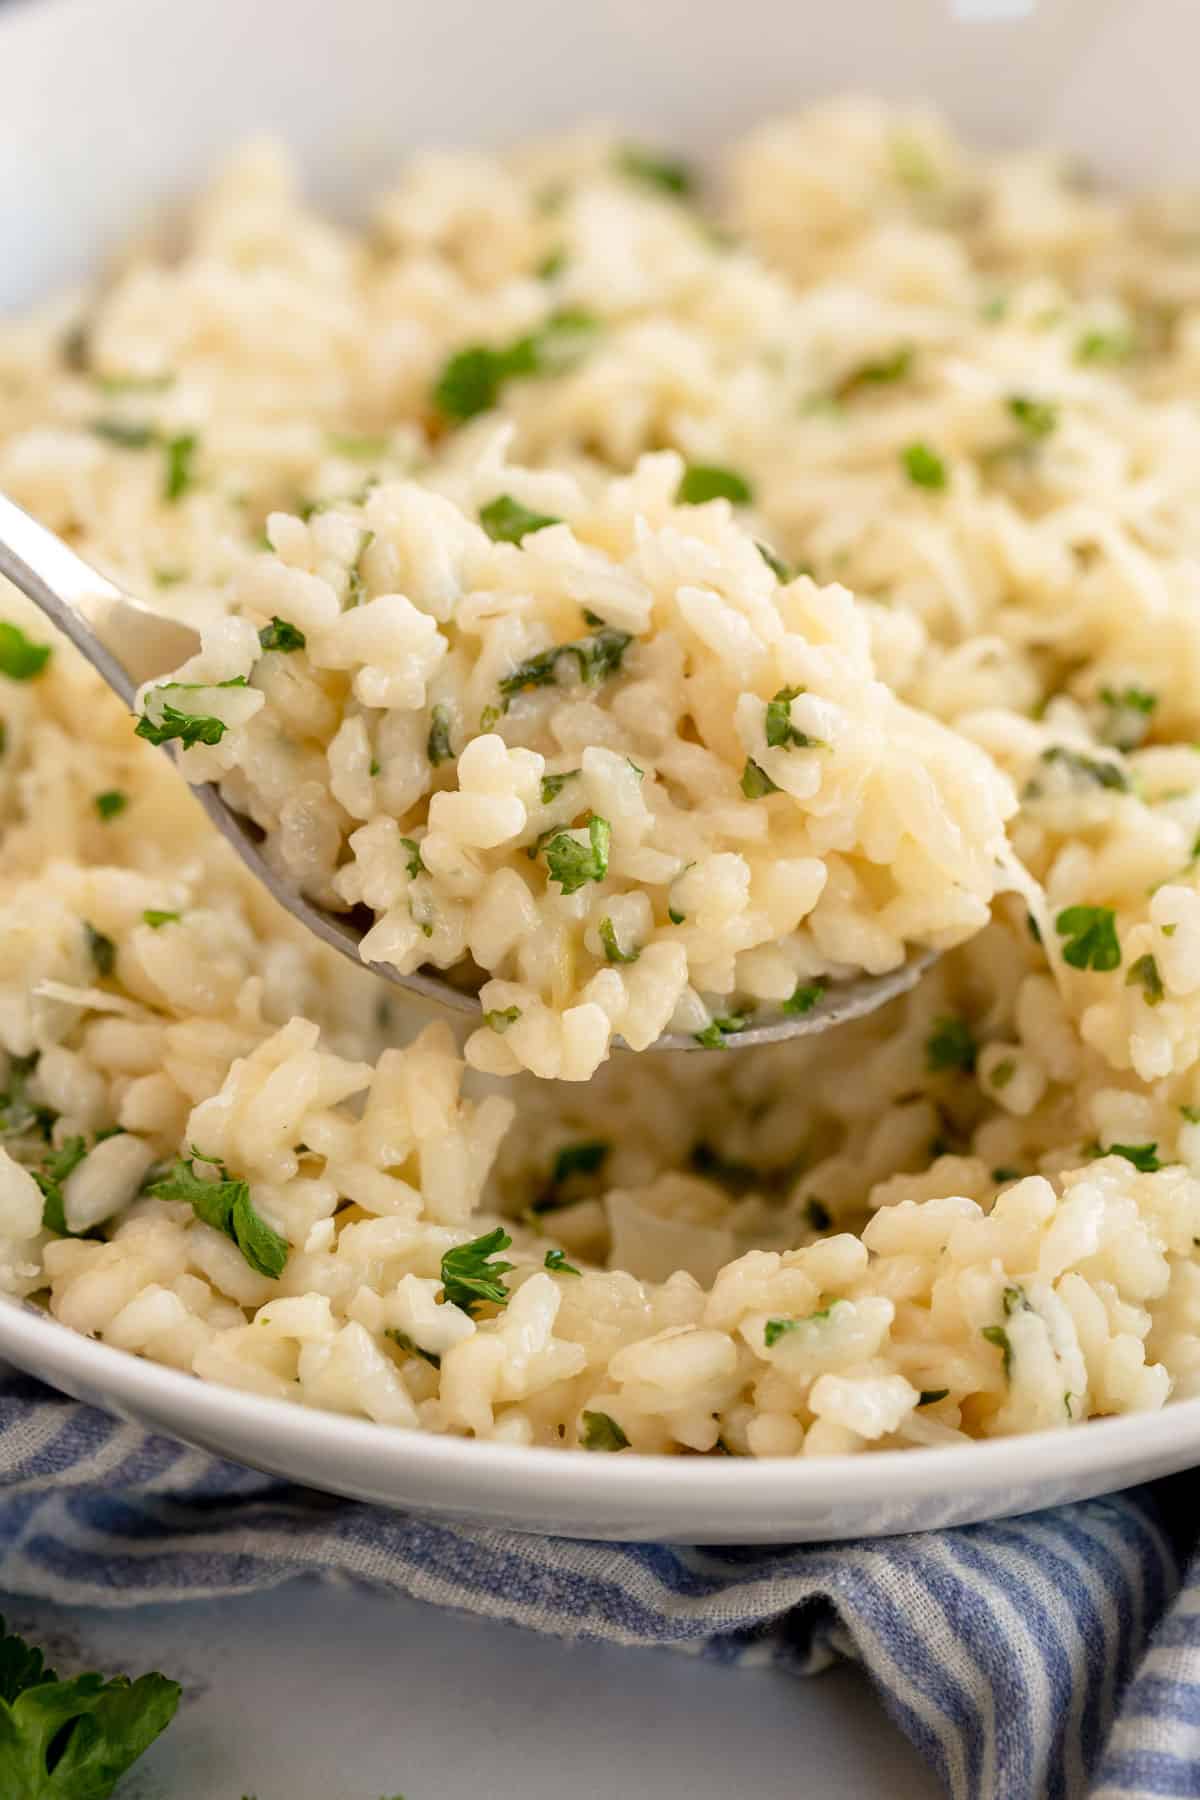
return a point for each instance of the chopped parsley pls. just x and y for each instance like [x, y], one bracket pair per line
[601, 1432]
[553, 785]
[226, 1206]
[73, 1739]
[20, 658]
[596, 658]
[356, 586]
[472, 380]
[438, 747]
[18, 1113]
[676, 918]
[101, 949]
[110, 803]
[1144, 974]
[1105, 346]
[756, 783]
[714, 1035]
[1144, 1157]
[1191, 1114]
[280, 635]
[506, 521]
[705, 481]
[556, 1262]
[669, 174]
[923, 466]
[178, 476]
[404, 1342]
[876, 372]
[54, 1171]
[804, 998]
[499, 1020]
[1037, 418]
[931, 1396]
[156, 920]
[189, 728]
[774, 1329]
[781, 733]
[1129, 711]
[572, 864]
[950, 1045]
[1086, 768]
[776, 564]
[470, 1278]
[613, 952]
[415, 865]
[996, 1334]
[1091, 937]
[126, 434]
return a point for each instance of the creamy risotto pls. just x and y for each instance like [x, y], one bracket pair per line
[650, 597]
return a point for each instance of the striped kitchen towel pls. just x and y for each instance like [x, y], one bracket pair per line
[1055, 1655]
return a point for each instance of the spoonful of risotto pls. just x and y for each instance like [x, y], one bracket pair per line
[607, 774]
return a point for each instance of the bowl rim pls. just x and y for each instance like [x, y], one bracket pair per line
[990, 1464]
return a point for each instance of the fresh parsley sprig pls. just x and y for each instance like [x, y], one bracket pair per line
[470, 1275]
[225, 1204]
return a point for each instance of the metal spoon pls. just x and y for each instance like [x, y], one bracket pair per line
[128, 643]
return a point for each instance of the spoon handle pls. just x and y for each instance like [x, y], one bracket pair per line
[124, 642]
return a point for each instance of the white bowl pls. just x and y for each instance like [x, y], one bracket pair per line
[114, 105]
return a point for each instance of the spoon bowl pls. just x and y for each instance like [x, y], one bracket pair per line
[128, 643]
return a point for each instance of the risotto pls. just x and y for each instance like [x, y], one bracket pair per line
[649, 599]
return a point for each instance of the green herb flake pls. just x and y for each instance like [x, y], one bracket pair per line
[20, 658]
[470, 1277]
[134, 384]
[1144, 974]
[669, 174]
[596, 658]
[156, 920]
[402, 1340]
[280, 635]
[774, 1329]
[506, 521]
[551, 264]
[780, 732]
[1128, 718]
[702, 482]
[924, 467]
[1104, 773]
[1191, 1114]
[73, 1739]
[110, 804]
[572, 864]
[20, 1115]
[553, 785]
[1037, 418]
[996, 1334]
[876, 373]
[1003, 1073]
[101, 949]
[1144, 1157]
[676, 918]
[715, 1035]
[499, 1020]
[472, 380]
[601, 1432]
[226, 1206]
[804, 998]
[179, 476]
[613, 952]
[1105, 346]
[950, 1045]
[1091, 937]
[755, 782]
[931, 1396]
[356, 585]
[126, 434]
[50, 1178]
[775, 563]
[438, 747]
[415, 865]
[188, 728]
[556, 1262]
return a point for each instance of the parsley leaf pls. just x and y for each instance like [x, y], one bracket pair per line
[1037, 418]
[178, 476]
[714, 1034]
[279, 635]
[613, 952]
[499, 1020]
[506, 521]
[705, 481]
[553, 785]
[126, 434]
[156, 919]
[73, 1739]
[996, 1334]
[50, 1177]
[415, 865]
[923, 466]
[776, 564]
[102, 950]
[18, 1113]
[20, 658]
[804, 998]
[1091, 934]
[596, 657]
[950, 1045]
[601, 1432]
[1086, 768]
[110, 803]
[1144, 974]
[668, 173]
[872, 374]
[189, 728]
[472, 380]
[756, 783]
[225, 1204]
[556, 1262]
[406, 1343]
[1144, 1157]
[1128, 719]
[572, 864]
[774, 1329]
[469, 1278]
[1105, 346]
[438, 747]
[781, 733]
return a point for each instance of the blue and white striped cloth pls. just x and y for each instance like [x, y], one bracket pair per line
[1057, 1655]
